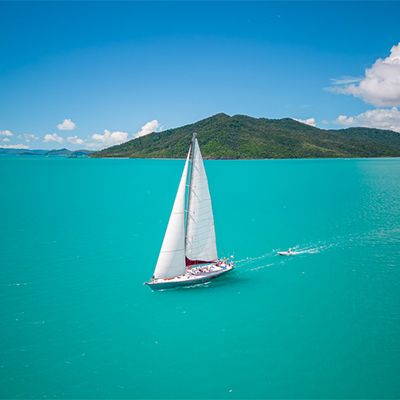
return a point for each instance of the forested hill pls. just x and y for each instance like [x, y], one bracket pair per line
[242, 137]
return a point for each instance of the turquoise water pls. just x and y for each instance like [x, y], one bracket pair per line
[80, 236]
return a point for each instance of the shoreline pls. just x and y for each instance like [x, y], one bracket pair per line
[250, 159]
[205, 159]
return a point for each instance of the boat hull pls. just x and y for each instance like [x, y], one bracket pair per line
[287, 253]
[187, 280]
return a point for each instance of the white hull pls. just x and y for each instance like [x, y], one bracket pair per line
[287, 253]
[193, 276]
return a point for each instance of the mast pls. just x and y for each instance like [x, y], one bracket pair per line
[190, 187]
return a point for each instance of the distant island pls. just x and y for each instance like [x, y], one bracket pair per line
[47, 153]
[242, 137]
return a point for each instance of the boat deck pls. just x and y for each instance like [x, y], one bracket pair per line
[193, 276]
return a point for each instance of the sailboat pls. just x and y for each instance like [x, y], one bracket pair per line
[188, 253]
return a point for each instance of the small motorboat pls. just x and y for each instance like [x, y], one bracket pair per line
[288, 252]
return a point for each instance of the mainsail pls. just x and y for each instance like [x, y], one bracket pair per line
[200, 232]
[171, 261]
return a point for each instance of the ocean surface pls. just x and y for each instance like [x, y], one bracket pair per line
[78, 237]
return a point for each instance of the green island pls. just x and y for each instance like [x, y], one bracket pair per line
[242, 137]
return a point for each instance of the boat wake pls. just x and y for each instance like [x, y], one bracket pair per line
[250, 260]
[270, 259]
[310, 249]
[262, 267]
[252, 264]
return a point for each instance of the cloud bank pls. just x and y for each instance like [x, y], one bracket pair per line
[96, 141]
[29, 137]
[52, 138]
[66, 125]
[379, 118]
[108, 138]
[148, 128]
[308, 121]
[380, 85]
[14, 146]
[112, 138]
[75, 140]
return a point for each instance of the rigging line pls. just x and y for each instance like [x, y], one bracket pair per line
[192, 217]
[204, 238]
[200, 210]
[171, 251]
[203, 231]
[200, 201]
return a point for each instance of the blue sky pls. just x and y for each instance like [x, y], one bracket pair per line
[112, 68]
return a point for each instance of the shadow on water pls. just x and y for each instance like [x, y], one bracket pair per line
[226, 281]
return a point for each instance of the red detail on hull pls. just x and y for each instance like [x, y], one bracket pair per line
[190, 262]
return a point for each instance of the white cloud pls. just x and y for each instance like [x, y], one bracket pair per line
[75, 140]
[6, 133]
[52, 138]
[147, 128]
[14, 146]
[308, 121]
[66, 125]
[6, 139]
[111, 138]
[380, 85]
[29, 137]
[345, 80]
[107, 139]
[382, 118]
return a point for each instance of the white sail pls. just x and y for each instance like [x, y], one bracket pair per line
[171, 261]
[200, 231]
